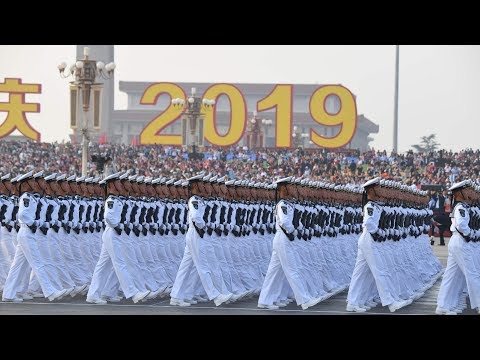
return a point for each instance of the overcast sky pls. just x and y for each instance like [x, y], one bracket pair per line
[439, 85]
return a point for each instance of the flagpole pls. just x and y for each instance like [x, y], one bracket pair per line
[395, 114]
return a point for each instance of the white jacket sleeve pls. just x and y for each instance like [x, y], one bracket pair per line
[113, 211]
[371, 218]
[285, 216]
[196, 210]
[462, 218]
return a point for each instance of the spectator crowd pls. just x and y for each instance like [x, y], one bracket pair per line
[337, 166]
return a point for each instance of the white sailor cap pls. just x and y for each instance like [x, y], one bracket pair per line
[38, 174]
[25, 176]
[284, 180]
[213, 178]
[147, 180]
[5, 177]
[96, 179]
[459, 185]
[222, 179]
[140, 178]
[15, 178]
[251, 183]
[132, 178]
[112, 176]
[171, 181]
[156, 181]
[81, 178]
[178, 182]
[207, 177]
[50, 177]
[185, 183]
[371, 182]
[194, 178]
[238, 183]
[61, 177]
[229, 182]
[89, 180]
[125, 176]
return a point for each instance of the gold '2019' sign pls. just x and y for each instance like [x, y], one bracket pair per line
[280, 99]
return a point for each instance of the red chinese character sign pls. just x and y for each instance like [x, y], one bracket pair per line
[16, 108]
[280, 99]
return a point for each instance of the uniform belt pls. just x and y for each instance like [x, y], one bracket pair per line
[465, 237]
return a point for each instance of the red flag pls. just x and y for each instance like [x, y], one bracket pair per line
[102, 139]
[135, 141]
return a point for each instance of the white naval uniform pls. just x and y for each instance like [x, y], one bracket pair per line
[112, 254]
[370, 269]
[195, 256]
[461, 264]
[283, 263]
[27, 255]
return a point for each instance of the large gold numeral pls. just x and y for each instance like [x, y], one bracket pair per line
[281, 99]
[151, 132]
[238, 114]
[346, 116]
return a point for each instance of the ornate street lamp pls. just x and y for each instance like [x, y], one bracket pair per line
[86, 71]
[255, 133]
[192, 112]
[298, 137]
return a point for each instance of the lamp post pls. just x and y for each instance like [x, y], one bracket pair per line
[255, 134]
[86, 71]
[298, 137]
[192, 110]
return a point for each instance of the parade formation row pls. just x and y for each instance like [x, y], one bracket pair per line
[209, 238]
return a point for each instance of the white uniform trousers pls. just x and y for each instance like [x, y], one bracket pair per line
[195, 255]
[27, 256]
[111, 259]
[460, 260]
[65, 246]
[369, 267]
[283, 264]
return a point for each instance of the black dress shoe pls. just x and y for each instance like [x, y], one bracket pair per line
[432, 242]
[441, 244]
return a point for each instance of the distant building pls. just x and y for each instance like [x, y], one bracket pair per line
[121, 126]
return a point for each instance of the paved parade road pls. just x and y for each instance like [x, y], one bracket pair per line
[333, 306]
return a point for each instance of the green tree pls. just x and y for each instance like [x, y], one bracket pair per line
[427, 144]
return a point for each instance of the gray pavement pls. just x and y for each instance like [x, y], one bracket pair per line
[333, 306]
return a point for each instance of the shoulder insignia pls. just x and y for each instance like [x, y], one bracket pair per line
[110, 204]
[284, 209]
[462, 212]
[370, 211]
[26, 202]
[195, 204]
